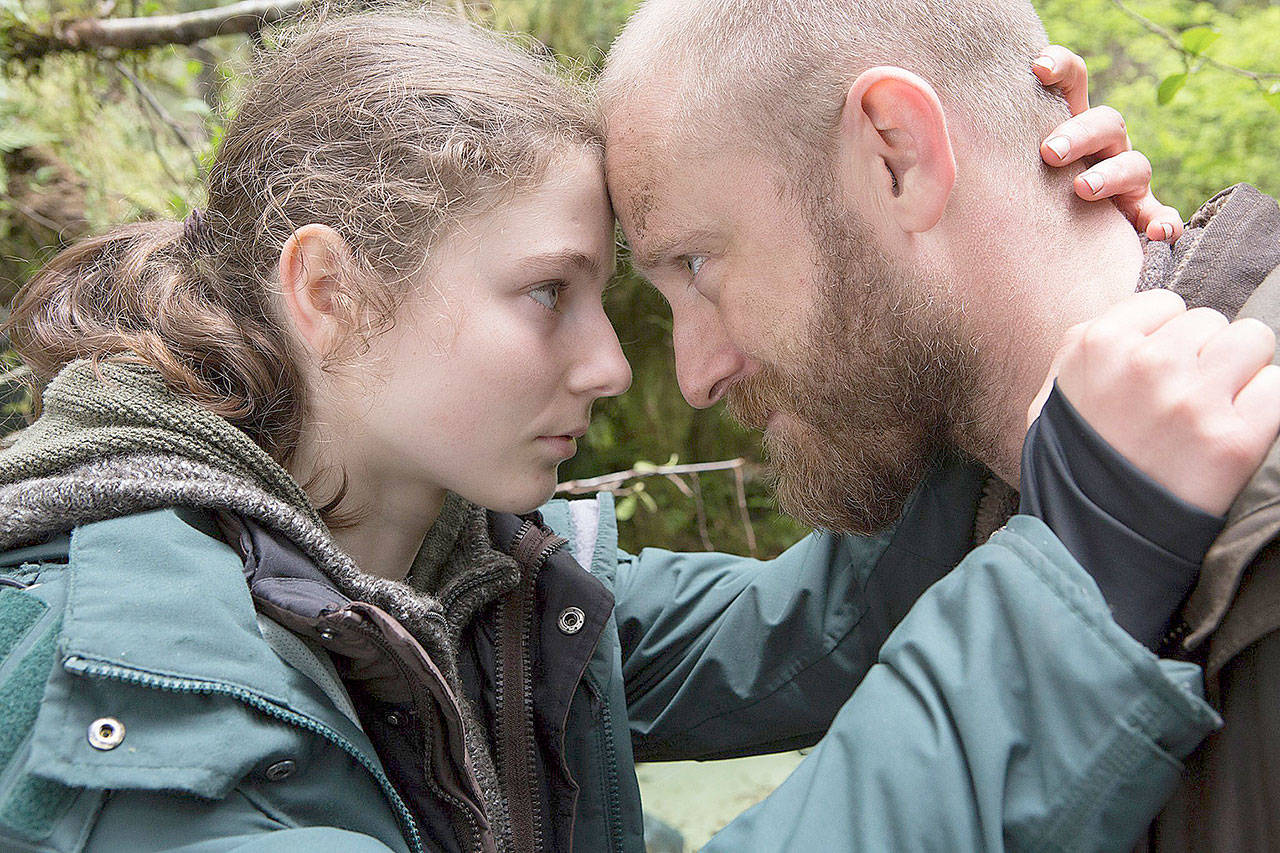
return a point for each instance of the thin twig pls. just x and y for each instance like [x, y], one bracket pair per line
[153, 102]
[153, 136]
[607, 482]
[742, 510]
[34, 215]
[1259, 77]
[680, 484]
[700, 510]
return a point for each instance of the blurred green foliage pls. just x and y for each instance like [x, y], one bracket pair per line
[82, 147]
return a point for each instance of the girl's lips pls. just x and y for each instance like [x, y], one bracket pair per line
[564, 446]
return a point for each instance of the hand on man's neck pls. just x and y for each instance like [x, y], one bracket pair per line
[1037, 274]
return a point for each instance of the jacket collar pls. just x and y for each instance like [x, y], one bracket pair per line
[158, 630]
[180, 590]
[1229, 246]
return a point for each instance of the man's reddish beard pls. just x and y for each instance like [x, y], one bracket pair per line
[882, 380]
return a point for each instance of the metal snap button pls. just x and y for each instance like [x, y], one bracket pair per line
[395, 719]
[571, 620]
[106, 733]
[281, 770]
[327, 634]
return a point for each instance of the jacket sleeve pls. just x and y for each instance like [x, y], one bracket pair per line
[725, 656]
[1007, 711]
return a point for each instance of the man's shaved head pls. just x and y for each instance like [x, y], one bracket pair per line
[778, 70]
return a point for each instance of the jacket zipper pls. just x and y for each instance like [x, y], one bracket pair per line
[190, 685]
[469, 584]
[477, 835]
[531, 547]
[607, 753]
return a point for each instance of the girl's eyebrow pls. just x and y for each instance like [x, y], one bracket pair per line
[582, 262]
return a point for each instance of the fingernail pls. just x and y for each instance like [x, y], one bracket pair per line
[1044, 62]
[1060, 145]
[1094, 180]
[1166, 228]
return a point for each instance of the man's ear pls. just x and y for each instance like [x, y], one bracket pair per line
[313, 262]
[895, 145]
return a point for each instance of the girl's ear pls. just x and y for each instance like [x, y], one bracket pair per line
[313, 262]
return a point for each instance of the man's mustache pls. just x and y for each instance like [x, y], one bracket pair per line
[750, 401]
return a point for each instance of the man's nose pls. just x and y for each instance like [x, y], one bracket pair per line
[707, 362]
[603, 370]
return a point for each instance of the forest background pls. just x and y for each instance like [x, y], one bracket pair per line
[94, 136]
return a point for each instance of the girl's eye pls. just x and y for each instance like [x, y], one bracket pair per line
[547, 295]
[694, 263]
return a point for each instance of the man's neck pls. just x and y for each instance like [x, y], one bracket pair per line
[1040, 288]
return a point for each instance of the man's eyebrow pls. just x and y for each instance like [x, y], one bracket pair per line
[583, 262]
[656, 251]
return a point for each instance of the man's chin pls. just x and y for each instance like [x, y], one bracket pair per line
[838, 513]
[842, 493]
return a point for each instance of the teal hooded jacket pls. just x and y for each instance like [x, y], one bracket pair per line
[145, 706]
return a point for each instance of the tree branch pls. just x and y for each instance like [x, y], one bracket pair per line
[1259, 77]
[89, 34]
[158, 108]
[608, 482]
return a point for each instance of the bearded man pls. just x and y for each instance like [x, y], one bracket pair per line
[863, 259]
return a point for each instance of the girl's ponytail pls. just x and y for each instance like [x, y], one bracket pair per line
[138, 294]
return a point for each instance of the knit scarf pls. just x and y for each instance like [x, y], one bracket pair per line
[121, 408]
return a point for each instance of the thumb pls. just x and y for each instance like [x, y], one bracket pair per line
[1073, 336]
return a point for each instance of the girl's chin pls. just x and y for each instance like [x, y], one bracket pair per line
[523, 495]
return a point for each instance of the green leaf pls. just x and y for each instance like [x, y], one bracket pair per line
[1272, 98]
[1198, 39]
[1169, 87]
[625, 508]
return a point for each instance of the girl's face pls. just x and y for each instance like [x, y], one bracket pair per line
[486, 380]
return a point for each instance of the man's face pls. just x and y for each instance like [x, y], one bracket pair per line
[783, 302]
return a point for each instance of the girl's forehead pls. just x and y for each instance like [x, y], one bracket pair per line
[566, 213]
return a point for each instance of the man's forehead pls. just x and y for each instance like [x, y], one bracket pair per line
[634, 189]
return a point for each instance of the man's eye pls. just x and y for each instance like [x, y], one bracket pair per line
[694, 263]
[547, 295]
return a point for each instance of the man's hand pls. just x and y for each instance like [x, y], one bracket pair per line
[1120, 173]
[1192, 401]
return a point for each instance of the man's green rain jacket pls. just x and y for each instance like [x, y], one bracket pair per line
[145, 706]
